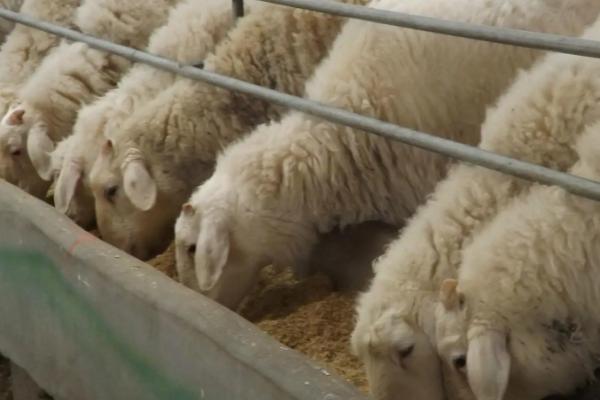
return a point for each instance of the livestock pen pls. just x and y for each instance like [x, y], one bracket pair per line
[70, 303]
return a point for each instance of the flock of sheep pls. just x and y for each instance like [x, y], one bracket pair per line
[489, 290]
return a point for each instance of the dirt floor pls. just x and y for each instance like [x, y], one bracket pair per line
[308, 316]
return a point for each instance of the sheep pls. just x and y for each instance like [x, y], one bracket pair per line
[48, 103]
[290, 180]
[7, 26]
[20, 55]
[522, 313]
[192, 32]
[537, 120]
[165, 149]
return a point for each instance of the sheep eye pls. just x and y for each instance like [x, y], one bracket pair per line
[110, 192]
[192, 249]
[461, 301]
[15, 153]
[459, 362]
[406, 352]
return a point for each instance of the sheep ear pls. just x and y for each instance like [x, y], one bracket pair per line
[14, 116]
[39, 147]
[66, 184]
[448, 294]
[212, 251]
[139, 185]
[488, 365]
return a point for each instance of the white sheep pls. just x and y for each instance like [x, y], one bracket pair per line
[193, 30]
[73, 75]
[303, 175]
[537, 120]
[169, 146]
[20, 55]
[7, 26]
[274, 191]
[523, 315]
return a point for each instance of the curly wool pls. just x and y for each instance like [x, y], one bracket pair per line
[193, 30]
[530, 272]
[24, 48]
[181, 132]
[327, 175]
[537, 120]
[59, 89]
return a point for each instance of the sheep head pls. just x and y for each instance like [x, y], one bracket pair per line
[399, 358]
[16, 165]
[450, 334]
[186, 235]
[483, 358]
[24, 127]
[72, 160]
[71, 189]
[238, 236]
[39, 148]
[136, 203]
[488, 363]
[130, 212]
[225, 264]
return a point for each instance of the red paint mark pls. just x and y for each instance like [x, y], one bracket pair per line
[81, 238]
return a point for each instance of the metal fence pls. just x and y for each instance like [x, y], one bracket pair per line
[576, 46]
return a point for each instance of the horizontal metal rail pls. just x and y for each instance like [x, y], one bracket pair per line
[576, 185]
[516, 37]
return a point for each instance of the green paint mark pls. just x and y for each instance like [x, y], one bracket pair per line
[35, 273]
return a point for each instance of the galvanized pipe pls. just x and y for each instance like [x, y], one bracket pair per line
[470, 154]
[516, 37]
[238, 8]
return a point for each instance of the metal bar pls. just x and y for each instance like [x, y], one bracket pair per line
[238, 8]
[576, 185]
[516, 37]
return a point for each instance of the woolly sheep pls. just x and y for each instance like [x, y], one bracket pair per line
[50, 100]
[20, 55]
[192, 31]
[524, 312]
[290, 180]
[7, 26]
[537, 120]
[141, 178]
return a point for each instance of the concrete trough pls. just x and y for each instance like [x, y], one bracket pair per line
[87, 321]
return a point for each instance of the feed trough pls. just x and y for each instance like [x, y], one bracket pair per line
[87, 321]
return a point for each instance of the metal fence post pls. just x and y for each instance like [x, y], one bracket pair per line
[238, 8]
